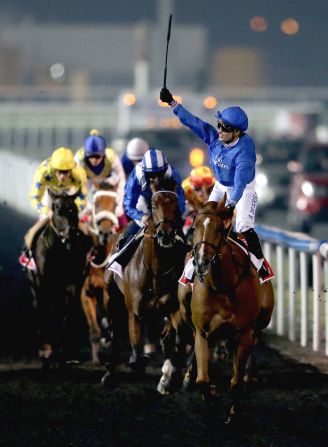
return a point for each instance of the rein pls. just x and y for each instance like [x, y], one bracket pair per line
[216, 248]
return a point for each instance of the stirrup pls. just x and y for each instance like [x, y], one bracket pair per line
[266, 273]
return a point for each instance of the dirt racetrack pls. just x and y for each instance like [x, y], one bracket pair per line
[288, 406]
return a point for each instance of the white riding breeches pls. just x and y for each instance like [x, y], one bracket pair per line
[245, 208]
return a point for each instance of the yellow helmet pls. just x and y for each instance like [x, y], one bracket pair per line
[202, 175]
[62, 159]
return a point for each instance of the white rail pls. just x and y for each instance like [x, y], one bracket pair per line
[301, 265]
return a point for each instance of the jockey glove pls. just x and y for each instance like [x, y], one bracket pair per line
[166, 96]
[231, 207]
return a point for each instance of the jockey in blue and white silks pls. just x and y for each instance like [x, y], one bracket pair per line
[231, 152]
[137, 191]
[138, 194]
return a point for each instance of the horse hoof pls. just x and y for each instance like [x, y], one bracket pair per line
[208, 391]
[107, 381]
[139, 365]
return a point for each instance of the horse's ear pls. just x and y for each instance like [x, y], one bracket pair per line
[152, 185]
[76, 195]
[196, 200]
[222, 202]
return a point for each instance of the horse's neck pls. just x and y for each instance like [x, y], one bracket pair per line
[231, 267]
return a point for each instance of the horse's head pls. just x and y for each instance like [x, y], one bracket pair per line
[165, 211]
[65, 213]
[103, 211]
[212, 225]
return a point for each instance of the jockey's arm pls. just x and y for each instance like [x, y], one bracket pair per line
[81, 200]
[37, 191]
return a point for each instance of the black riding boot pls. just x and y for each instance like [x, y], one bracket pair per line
[253, 242]
[254, 245]
[122, 241]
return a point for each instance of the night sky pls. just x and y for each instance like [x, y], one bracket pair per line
[303, 56]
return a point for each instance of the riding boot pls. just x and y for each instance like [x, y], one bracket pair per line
[122, 241]
[254, 245]
[253, 242]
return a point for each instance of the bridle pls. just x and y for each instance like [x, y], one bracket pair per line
[165, 220]
[104, 214]
[216, 248]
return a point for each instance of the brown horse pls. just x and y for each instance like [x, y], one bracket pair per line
[105, 233]
[149, 284]
[226, 296]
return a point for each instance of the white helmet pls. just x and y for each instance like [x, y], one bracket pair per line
[136, 148]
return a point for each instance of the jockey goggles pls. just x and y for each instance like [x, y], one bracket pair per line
[96, 156]
[224, 126]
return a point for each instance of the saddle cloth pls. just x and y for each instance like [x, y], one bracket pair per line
[189, 269]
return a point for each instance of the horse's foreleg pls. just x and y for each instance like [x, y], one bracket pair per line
[89, 309]
[202, 353]
[242, 351]
[137, 360]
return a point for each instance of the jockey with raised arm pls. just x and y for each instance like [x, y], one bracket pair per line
[102, 165]
[232, 157]
[138, 194]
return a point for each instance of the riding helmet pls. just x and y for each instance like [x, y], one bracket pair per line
[154, 161]
[62, 159]
[234, 116]
[95, 144]
[202, 175]
[136, 148]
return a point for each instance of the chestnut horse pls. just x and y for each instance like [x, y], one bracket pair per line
[227, 294]
[59, 250]
[150, 281]
[104, 228]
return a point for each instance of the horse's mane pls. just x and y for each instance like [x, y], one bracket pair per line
[164, 184]
[211, 207]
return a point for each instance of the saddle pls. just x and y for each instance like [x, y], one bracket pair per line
[188, 274]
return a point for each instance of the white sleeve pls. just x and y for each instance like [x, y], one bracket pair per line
[217, 192]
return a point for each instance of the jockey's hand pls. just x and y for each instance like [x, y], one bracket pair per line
[231, 207]
[119, 210]
[166, 95]
[146, 219]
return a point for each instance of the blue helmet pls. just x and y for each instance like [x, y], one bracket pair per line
[95, 144]
[154, 161]
[234, 117]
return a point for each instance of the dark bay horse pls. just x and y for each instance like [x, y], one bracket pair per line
[59, 251]
[150, 282]
[226, 295]
[105, 231]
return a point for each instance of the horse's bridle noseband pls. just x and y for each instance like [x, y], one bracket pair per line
[217, 248]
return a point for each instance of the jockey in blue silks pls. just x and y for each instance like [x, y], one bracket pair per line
[232, 156]
[137, 196]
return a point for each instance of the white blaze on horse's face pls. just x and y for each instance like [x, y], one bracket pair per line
[206, 224]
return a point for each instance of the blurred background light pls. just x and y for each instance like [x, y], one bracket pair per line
[210, 102]
[129, 99]
[258, 24]
[57, 71]
[290, 26]
[196, 157]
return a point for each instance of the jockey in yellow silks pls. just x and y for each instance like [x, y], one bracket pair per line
[59, 173]
[102, 165]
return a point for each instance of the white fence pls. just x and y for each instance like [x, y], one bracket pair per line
[301, 284]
